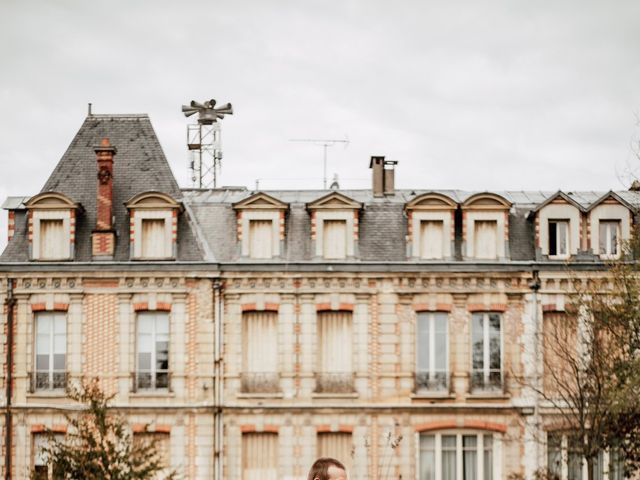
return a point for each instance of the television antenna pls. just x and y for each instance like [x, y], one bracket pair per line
[324, 143]
[203, 141]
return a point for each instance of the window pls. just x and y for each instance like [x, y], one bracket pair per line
[335, 239]
[54, 244]
[335, 371]
[50, 351]
[565, 461]
[41, 468]
[153, 351]
[558, 238]
[153, 238]
[160, 440]
[260, 352]
[609, 238]
[486, 352]
[259, 456]
[455, 456]
[431, 239]
[260, 238]
[485, 239]
[432, 352]
[336, 445]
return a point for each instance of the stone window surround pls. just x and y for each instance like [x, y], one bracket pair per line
[446, 217]
[138, 216]
[492, 215]
[245, 227]
[607, 212]
[556, 211]
[346, 215]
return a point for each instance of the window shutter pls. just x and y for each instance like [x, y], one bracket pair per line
[338, 445]
[260, 342]
[334, 330]
[485, 239]
[431, 239]
[335, 239]
[260, 239]
[153, 238]
[259, 456]
[53, 244]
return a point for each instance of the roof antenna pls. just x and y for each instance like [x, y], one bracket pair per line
[324, 143]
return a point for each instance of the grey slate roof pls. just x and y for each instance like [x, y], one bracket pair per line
[139, 166]
[207, 227]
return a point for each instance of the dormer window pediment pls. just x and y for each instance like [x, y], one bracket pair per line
[52, 224]
[261, 226]
[153, 226]
[334, 226]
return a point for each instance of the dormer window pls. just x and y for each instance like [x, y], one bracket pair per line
[261, 226]
[485, 227]
[52, 218]
[558, 221]
[558, 238]
[154, 226]
[431, 220]
[610, 220]
[334, 226]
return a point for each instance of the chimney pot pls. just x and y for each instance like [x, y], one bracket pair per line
[383, 176]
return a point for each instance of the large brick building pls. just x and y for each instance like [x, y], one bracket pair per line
[251, 331]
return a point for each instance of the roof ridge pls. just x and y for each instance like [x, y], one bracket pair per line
[118, 115]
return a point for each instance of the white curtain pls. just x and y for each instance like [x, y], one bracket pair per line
[259, 456]
[449, 457]
[335, 239]
[485, 239]
[431, 239]
[470, 457]
[153, 238]
[336, 445]
[53, 243]
[260, 238]
[260, 342]
[334, 329]
[427, 457]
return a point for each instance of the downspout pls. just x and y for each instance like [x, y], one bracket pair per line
[10, 302]
[217, 378]
[534, 285]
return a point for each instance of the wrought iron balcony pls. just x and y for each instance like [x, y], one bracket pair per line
[260, 382]
[146, 381]
[494, 382]
[44, 380]
[436, 382]
[335, 382]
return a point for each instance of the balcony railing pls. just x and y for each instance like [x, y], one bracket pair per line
[335, 382]
[436, 382]
[487, 382]
[149, 381]
[260, 382]
[47, 380]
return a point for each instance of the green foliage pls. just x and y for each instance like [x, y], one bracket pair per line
[99, 445]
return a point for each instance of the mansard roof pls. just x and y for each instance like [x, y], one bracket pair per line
[139, 166]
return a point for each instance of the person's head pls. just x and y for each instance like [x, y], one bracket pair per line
[327, 469]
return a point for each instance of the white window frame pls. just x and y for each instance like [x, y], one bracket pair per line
[153, 370]
[486, 370]
[51, 371]
[164, 214]
[37, 217]
[431, 319]
[567, 245]
[496, 452]
[38, 459]
[609, 212]
[562, 211]
[417, 217]
[564, 458]
[497, 216]
[608, 224]
[346, 215]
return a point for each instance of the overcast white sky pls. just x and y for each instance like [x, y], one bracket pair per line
[475, 95]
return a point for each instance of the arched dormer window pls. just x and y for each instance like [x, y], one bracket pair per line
[431, 226]
[485, 227]
[52, 225]
[153, 226]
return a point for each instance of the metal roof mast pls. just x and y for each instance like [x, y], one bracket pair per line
[203, 141]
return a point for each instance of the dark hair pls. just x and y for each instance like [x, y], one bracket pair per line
[320, 468]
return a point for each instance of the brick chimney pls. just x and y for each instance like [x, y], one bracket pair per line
[383, 176]
[103, 237]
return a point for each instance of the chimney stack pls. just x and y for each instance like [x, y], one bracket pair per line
[383, 176]
[103, 236]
